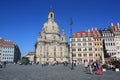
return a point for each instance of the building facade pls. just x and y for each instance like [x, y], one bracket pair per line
[116, 31]
[31, 57]
[7, 51]
[51, 46]
[98, 46]
[87, 46]
[109, 41]
[17, 54]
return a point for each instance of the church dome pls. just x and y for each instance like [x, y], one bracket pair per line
[51, 26]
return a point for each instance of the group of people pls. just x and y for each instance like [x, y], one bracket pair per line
[93, 68]
[2, 64]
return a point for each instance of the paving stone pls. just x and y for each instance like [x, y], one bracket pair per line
[57, 72]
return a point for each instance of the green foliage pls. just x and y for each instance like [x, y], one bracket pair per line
[105, 66]
[117, 65]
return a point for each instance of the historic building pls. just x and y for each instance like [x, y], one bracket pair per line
[51, 46]
[30, 56]
[98, 45]
[116, 31]
[87, 46]
[9, 51]
[109, 41]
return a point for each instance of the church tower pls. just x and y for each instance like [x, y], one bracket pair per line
[50, 45]
[51, 15]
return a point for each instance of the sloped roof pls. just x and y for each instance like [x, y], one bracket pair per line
[115, 28]
[30, 54]
[92, 33]
[6, 43]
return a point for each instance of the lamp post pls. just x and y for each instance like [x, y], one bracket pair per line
[72, 66]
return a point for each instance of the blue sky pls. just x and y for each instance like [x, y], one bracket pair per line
[22, 20]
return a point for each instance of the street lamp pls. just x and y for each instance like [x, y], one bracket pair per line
[72, 66]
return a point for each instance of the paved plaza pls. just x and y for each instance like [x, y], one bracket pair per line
[57, 72]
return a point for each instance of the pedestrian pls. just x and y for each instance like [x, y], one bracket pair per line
[86, 65]
[99, 71]
[42, 64]
[91, 68]
[95, 67]
[0, 64]
[4, 64]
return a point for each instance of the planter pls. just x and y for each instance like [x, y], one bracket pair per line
[103, 69]
[117, 69]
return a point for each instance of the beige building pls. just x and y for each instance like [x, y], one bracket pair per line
[98, 46]
[87, 46]
[51, 46]
[31, 56]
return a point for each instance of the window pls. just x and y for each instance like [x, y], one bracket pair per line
[51, 15]
[90, 49]
[95, 44]
[73, 44]
[90, 54]
[79, 44]
[84, 39]
[79, 49]
[89, 39]
[113, 44]
[73, 49]
[85, 55]
[90, 44]
[74, 55]
[78, 39]
[96, 54]
[84, 44]
[73, 39]
[79, 55]
[95, 49]
[85, 49]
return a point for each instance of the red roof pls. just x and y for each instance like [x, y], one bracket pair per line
[30, 54]
[6, 43]
[92, 33]
[115, 28]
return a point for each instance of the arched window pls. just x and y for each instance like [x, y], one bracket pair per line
[51, 15]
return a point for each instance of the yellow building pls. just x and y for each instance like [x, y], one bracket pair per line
[31, 56]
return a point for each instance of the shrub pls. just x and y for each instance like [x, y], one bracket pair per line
[105, 66]
[117, 65]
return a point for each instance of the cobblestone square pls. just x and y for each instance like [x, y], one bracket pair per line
[57, 72]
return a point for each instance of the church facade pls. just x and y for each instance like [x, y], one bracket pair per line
[50, 45]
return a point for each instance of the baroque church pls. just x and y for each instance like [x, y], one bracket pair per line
[50, 45]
